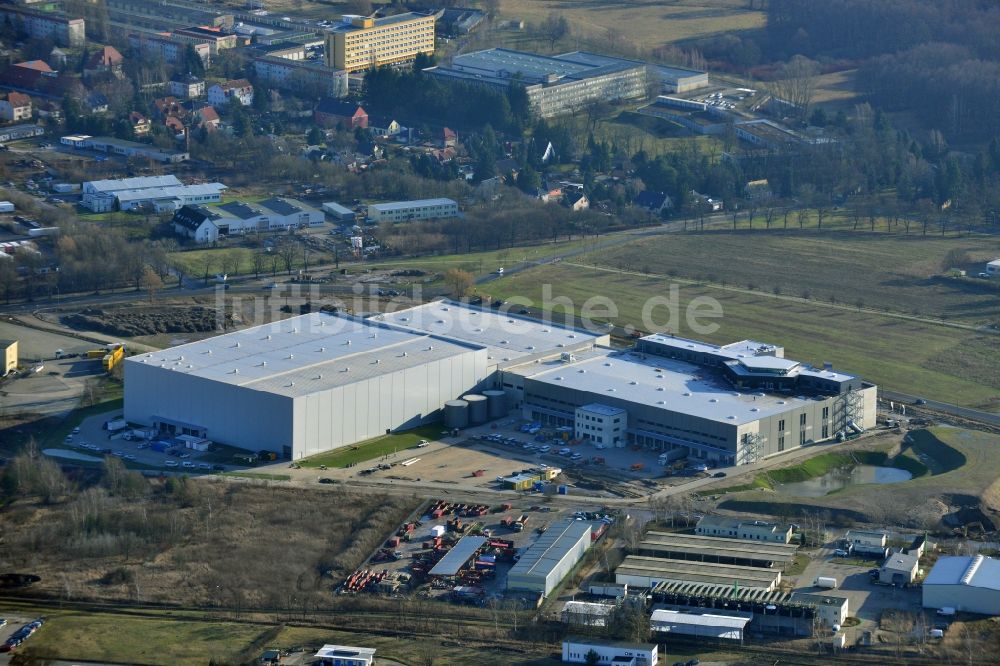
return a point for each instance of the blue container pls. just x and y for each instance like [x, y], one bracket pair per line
[539, 486]
[563, 490]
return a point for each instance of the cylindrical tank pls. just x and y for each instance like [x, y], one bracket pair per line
[496, 404]
[456, 414]
[478, 409]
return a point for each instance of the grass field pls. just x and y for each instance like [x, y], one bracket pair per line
[374, 448]
[220, 259]
[949, 364]
[260, 476]
[646, 23]
[121, 639]
[891, 272]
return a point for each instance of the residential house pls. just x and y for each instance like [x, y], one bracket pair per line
[654, 202]
[706, 202]
[57, 58]
[168, 106]
[16, 107]
[94, 102]
[196, 223]
[508, 169]
[176, 125]
[106, 61]
[207, 117]
[576, 201]
[36, 78]
[239, 89]
[383, 126]
[332, 112]
[446, 138]
[141, 126]
[758, 190]
[187, 86]
[549, 193]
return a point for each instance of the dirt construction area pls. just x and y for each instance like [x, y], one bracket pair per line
[482, 456]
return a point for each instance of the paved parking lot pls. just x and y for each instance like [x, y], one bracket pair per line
[14, 622]
[866, 600]
[56, 389]
[94, 441]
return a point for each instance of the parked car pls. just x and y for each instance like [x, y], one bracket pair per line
[840, 552]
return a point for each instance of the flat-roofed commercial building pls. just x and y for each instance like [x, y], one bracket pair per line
[544, 565]
[727, 405]
[555, 85]
[649, 572]
[575, 650]
[364, 42]
[300, 386]
[300, 76]
[406, 211]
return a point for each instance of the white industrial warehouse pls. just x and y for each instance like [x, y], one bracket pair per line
[968, 584]
[550, 558]
[317, 382]
[300, 386]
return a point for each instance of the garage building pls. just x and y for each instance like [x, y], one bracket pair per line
[969, 584]
[300, 386]
[648, 572]
[678, 546]
[543, 566]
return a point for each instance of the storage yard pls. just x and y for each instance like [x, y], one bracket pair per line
[469, 553]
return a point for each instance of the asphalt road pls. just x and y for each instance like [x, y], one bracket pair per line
[947, 408]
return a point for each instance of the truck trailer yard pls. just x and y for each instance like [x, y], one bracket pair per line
[463, 552]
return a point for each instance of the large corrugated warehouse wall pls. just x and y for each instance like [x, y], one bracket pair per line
[312, 423]
[962, 598]
[231, 414]
[368, 408]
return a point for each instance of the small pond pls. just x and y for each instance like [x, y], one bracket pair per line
[843, 477]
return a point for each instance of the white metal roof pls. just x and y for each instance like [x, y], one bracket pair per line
[456, 558]
[345, 652]
[507, 337]
[694, 618]
[977, 571]
[417, 203]
[659, 382]
[137, 183]
[550, 549]
[304, 354]
[171, 192]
